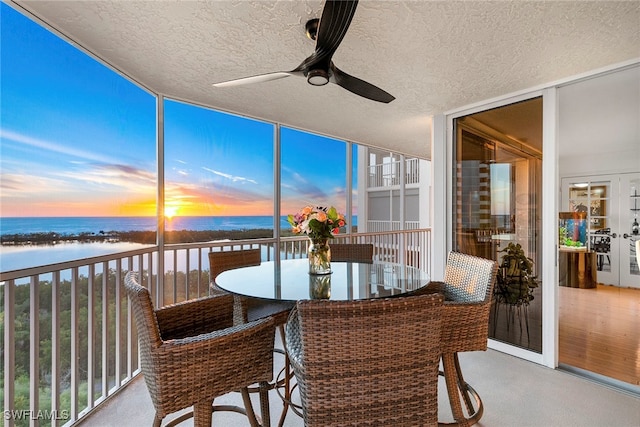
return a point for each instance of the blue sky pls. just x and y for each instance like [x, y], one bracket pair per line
[67, 143]
[77, 139]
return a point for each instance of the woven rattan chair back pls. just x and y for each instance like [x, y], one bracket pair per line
[227, 260]
[149, 337]
[368, 362]
[354, 252]
[183, 369]
[246, 309]
[469, 278]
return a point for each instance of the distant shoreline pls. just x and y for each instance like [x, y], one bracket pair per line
[143, 237]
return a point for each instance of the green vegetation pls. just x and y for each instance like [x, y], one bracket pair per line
[144, 237]
[78, 331]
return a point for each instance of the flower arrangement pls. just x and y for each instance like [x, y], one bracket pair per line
[318, 223]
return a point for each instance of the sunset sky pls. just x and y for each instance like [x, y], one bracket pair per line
[76, 139]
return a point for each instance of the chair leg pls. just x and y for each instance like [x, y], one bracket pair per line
[248, 406]
[457, 389]
[463, 386]
[202, 412]
[265, 419]
[264, 404]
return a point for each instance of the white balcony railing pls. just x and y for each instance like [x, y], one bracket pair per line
[69, 336]
[386, 226]
[389, 174]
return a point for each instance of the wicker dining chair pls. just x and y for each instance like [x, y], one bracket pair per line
[189, 349]
[367, 362]
[356, 252]
[467, 288]
[227, 260]
[246, 309]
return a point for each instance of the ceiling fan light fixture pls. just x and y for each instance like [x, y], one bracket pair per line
[318, 77]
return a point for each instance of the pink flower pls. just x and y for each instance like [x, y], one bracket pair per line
[317, 223]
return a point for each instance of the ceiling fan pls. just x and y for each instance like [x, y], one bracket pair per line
[318, 68]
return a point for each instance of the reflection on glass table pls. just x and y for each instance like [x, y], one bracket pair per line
[289, 280]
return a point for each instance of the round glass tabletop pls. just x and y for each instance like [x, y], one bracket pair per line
[289, 280]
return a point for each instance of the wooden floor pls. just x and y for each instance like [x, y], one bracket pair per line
[600, 331]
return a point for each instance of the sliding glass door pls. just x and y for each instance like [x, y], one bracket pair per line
[497, 209]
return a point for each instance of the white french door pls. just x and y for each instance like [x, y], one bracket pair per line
[629, 229]
[612, 203]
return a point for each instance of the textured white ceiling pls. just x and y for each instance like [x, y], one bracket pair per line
[433, 56]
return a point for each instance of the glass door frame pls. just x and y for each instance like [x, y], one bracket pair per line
[443, 192]
[629, 211]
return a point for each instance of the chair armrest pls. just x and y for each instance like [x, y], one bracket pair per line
[186, 370]
[465, 312]
[220, 337]
[195, 317]
[465, 326]
[225, 359]
[433, 287]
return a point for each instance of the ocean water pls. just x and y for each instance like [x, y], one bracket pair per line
[25, 256]
[75, 225]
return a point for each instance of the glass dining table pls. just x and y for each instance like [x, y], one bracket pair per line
[289, 280]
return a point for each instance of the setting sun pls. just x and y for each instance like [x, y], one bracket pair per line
[170, 211]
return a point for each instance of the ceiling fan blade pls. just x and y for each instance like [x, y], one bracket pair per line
[334, 23]
[360, 87]
[254, 79]
[332, 27]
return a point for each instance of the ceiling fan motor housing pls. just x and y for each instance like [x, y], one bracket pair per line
[311, 28]
[317, 77]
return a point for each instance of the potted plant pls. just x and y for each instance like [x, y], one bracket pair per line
[515, 281]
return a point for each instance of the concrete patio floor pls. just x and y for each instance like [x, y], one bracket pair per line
[515, 392]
